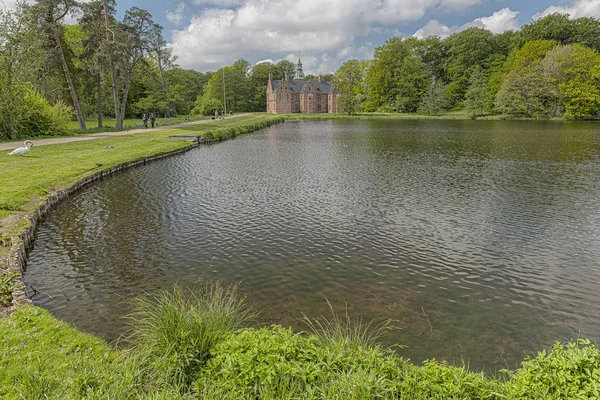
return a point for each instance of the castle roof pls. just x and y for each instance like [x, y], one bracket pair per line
[299, 86]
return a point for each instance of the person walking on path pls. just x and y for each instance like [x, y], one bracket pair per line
[152, 119]
[145, 120]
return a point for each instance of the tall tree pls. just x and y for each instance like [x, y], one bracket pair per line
[477, 95]
[163, 59]
[259, 77]
[397, 77]
[434, 101]
[467, 50]
[96, 62]
[19, 54]
[126, 48]
[574, 73]
[48, 15]
[350, 79]
[561, 29]
[285, 67]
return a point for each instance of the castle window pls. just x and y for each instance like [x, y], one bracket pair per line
[288, 97]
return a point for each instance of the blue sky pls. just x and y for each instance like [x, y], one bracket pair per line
[207, 34]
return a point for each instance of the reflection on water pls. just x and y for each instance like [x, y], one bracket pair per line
[479, 240]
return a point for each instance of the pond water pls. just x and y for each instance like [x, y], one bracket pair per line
[480, 240]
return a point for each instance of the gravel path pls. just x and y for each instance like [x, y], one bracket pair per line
[43, 142]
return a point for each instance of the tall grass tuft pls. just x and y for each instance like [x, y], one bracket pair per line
[347, 332]
[172, 332]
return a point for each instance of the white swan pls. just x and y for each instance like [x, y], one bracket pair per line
[22, 150]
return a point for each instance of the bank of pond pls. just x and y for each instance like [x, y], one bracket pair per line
[199, 343]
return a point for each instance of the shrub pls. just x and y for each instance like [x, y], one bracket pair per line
[436, 380]
[254, 360]
[339, 361]
[39, 118]
[570, 371]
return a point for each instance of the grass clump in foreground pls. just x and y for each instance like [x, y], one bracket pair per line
[190, 345]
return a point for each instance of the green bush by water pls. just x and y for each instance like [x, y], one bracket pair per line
[189, 345]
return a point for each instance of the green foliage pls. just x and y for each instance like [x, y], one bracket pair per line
[207, 106]
[276, 361]
[44, 358]
[397, 77]
[436, 380]
[32, 116]
[350, 79]
[570, 371]
[574, 72]
[524, 95]
[41, 119]
[561, 29]
[467, 50]
[257, 358]
[531, 54]
[173, 332]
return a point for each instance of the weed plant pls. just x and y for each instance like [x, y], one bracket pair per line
[7, 285]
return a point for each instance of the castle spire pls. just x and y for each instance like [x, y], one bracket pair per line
[299, 74]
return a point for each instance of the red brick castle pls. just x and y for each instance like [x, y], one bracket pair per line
[300, 95]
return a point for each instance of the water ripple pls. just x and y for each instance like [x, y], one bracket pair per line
[477, 240]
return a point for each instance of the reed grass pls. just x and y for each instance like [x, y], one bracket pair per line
[345, 331]
[172, 332]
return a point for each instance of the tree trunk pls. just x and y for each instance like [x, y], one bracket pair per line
[163, 84]
[99, 101]
[128, 79]
[113, 70]
[65, 67]
[11, 125]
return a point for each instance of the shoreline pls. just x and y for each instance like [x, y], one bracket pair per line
[13, 261]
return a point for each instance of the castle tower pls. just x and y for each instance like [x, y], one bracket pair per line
[299, 74]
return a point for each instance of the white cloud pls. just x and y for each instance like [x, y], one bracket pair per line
[219, 3]
[259, 28]
[434, 28]
[577, 9]
[500, 21]
[176, 17]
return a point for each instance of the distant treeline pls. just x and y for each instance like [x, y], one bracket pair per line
[549, 68]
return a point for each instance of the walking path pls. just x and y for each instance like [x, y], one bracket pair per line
[42, 142]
